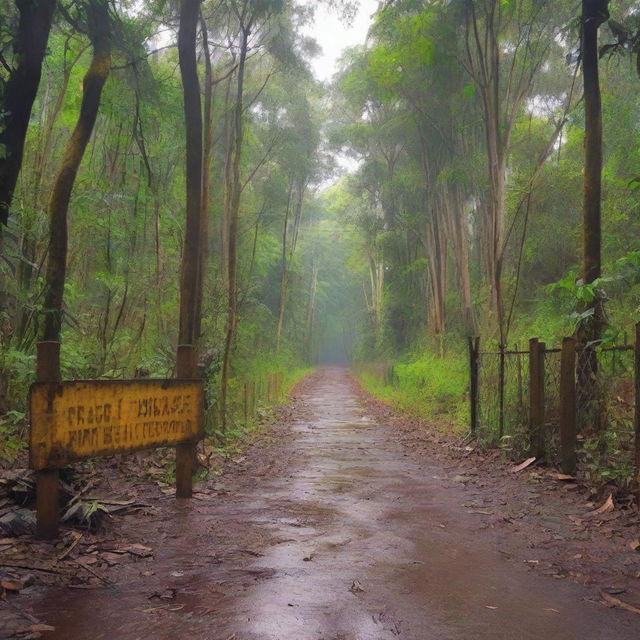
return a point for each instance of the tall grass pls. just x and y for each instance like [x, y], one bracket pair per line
[424, 385]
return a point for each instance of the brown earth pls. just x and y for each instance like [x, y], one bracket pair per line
[343, 521]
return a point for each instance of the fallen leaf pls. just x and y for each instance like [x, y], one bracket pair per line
[111, 558]
[522, 465]
[135, 549]
[489, 606]
[35, 628]
[12, 585]
[606, 506]
[635, 545]
[167, 594]
[615, 602]
[563, 477]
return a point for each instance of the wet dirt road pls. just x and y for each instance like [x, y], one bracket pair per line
[347, 539]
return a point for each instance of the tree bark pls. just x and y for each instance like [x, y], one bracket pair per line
[94, 79]
[206, 167]
[594, 13]
[234, 210]
[20, 92]
[190, 279]
[590, 327]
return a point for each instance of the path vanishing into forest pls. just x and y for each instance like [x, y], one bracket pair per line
[337, 535]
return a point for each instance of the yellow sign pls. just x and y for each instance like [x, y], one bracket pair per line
[86, 418]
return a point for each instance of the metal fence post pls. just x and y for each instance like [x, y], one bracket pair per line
[568, 406]
[536, 397]
[474, 349]
[501, 390]
[47, 488]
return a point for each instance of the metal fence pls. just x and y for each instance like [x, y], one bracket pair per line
[571, 406]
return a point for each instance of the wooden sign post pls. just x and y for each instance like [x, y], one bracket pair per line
[80, 419]
[47, 492]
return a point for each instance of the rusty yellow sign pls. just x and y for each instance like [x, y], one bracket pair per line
[75, 420]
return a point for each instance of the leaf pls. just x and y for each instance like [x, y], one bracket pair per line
[635, 545]
[563, 477]
[615, 602]
[607, 505]
[36, 628]
[11, 585]
[136, 549]
[523, 465]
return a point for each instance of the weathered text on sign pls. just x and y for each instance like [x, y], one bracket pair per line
[75, 420]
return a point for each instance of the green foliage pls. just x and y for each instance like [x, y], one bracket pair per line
[12, 441]
[428, 386]
[17, 368]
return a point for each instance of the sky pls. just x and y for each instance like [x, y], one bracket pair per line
[333, 36]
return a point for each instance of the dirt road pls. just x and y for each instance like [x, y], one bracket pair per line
[341, 536]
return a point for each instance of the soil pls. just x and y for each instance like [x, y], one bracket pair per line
[344, 520]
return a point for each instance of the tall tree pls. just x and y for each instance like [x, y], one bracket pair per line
[594, 14]
[18, 92]
[98, 26]
[190, 280]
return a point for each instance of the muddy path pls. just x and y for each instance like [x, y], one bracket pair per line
[337, 534]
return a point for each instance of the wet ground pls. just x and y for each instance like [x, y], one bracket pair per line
[340, 534]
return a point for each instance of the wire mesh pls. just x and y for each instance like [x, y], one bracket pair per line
[503, 400]
[605, 413]
[551, 428]
[604, 408]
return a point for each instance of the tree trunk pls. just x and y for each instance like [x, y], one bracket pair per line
[234, 209]
[94, 79]
[284, 277]
[20, 92]
[190, 279]
[311, 310]
[594, 13]
[206, 167]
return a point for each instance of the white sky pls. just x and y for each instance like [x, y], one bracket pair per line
[333, 36]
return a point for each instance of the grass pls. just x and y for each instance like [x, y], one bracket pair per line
[426, 386]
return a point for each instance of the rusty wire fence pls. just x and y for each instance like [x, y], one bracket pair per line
[605, 406]
[503, 415]
[573, 407]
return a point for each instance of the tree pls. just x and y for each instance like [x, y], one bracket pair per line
[97, 20]
[18, 91]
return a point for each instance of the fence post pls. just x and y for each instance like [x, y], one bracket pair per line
[185, 451]
[516, 348]
[536, 397]
[636, 414]
[47, 489]
[254, 399]
[474, 349]
[245, 403]
[501, 384]
[568, 406]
